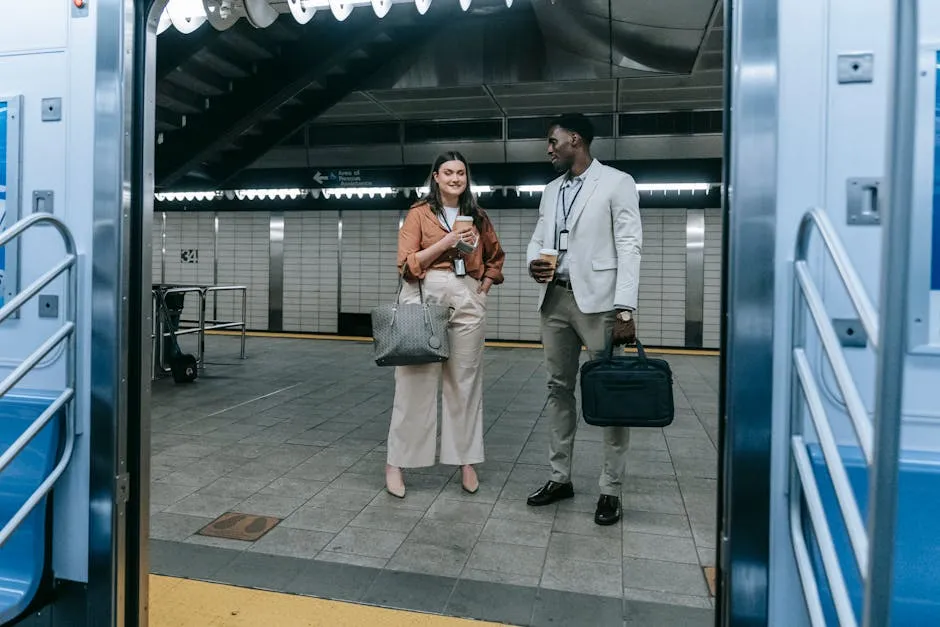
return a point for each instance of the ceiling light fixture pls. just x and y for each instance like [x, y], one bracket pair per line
[382, 192]
[304, 10]
[188, 15]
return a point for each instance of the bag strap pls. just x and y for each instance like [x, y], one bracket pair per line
[401, 281]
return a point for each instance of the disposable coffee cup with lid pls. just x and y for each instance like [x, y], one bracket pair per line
[462, 223]
[550, 255]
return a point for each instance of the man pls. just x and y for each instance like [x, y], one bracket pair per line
[591, 216]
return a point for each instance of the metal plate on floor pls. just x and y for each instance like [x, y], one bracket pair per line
[237, 526]
[710, 575]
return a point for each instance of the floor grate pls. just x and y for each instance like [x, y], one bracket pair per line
[237, 526]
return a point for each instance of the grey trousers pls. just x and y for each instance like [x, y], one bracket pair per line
[565, 329]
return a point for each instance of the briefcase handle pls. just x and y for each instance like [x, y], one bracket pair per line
[640, 351]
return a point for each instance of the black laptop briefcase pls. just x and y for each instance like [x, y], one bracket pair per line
[627, 391]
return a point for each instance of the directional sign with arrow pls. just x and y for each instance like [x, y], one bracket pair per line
[356, 177]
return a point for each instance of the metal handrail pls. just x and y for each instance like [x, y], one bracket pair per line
[830, 559]
[851, 513]
[231, 325]
[853, 284]
[874, 555]
[65, 333]
[806, 292]
[803, 387]
[201, 324]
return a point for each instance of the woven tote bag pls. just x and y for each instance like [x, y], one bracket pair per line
[409, 334]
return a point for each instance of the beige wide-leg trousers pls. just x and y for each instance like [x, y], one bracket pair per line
[565, 329]
[412, 435]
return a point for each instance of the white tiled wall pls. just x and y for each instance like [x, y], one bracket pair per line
[661, 311]
[157, 237]
[713, 231]
[244, 259]
[369, 254]
[369, 251]
[511, 307]
[311, 250]
[187, 232]
[674, 277]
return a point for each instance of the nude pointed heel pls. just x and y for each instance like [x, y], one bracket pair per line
[471, 486]
[394, 483]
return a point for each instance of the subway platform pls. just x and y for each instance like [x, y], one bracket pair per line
[268, 474]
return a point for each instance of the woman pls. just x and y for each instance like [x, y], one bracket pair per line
[428, 253]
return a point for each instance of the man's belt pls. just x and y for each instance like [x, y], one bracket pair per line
[562, 283]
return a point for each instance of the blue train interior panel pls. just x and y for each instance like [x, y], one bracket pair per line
[23, 556]
[917, 553]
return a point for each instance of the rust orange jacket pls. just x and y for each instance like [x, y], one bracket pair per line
[423, 229]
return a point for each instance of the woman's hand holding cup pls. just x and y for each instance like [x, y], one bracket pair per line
[452, 238]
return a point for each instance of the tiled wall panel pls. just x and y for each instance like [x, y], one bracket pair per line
[649, 324]
[189, 254]
[661, 310]
[713, 232]
[244, 259]
[511, 311]
[311, 251]
[157, 238]
[674, 277]
[369, 255]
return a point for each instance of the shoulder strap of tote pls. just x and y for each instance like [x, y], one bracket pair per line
[401, 281]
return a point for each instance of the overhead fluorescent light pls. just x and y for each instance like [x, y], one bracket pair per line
[360, 192]
[674, 187]
[188, 196]
[530, 189]
[382, 192]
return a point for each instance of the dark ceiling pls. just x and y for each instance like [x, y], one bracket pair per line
[226, 98]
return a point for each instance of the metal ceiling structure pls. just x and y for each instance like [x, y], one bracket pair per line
[231, 90]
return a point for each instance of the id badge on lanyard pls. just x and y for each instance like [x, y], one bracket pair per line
[460, 266]
[566, 211]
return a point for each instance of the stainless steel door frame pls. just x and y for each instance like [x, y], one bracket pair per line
[748, 285]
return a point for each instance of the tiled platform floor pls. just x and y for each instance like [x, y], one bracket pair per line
[297, 431]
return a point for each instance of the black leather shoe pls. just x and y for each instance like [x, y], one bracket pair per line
[608, 510]
[551, 492]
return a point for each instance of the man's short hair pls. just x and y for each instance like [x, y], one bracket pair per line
[575, 123]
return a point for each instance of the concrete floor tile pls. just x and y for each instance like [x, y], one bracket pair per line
[315, 453]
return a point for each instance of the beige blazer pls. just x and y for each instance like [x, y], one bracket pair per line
[604, 242]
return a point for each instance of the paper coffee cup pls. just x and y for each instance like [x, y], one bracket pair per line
[462, 223]
[550, 255]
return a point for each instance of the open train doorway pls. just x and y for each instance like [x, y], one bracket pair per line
[286, 142]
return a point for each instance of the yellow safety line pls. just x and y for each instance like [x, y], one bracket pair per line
[695, 352]
[185, 603]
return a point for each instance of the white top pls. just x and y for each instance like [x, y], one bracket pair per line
[450, 215]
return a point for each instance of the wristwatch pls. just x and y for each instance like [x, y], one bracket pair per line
[626, 315]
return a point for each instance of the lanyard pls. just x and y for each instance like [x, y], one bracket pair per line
[561, 239]
[566, 209]
[447, 224]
